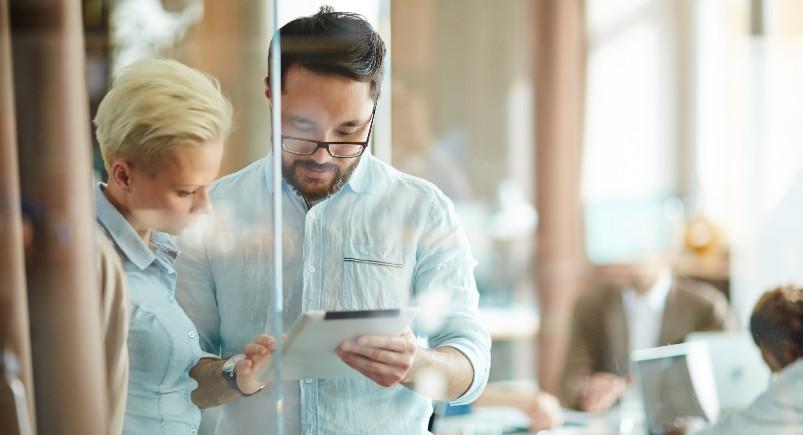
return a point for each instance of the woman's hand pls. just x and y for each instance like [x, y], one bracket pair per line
[256, 354]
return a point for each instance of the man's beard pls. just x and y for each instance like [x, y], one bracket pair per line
[290, 174]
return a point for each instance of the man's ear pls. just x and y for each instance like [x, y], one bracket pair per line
[267, 89]
[121, 174]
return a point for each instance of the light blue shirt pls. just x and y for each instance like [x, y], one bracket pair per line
[162, 341]
[385, 240]
[777, 411]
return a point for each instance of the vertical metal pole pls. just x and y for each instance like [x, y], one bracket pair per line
[14, 324]
[276, 136]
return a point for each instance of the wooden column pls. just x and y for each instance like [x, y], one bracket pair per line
[231, 43]
[14, 331]
[559, 72]
[54, 145]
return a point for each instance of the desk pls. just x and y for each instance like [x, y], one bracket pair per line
[512, 330]
[499, 420]
[508, 323]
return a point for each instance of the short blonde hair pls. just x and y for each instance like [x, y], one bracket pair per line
[156, 104]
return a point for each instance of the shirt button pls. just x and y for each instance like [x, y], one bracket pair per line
[192, 333]
[311, 269]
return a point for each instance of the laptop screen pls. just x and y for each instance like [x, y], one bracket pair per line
[676, 382]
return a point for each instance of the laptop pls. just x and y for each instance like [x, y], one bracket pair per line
[740, 373]
[675, 382]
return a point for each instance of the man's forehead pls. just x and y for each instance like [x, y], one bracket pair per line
[316, 109]
[304, 83]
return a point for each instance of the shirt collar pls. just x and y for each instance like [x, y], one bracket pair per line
[656, 295]
[124, 236]
[361, 180]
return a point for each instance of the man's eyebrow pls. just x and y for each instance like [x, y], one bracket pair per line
[299, 118]
[351, 123]
[356, 123]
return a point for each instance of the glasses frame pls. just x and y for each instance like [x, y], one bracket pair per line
[326, 145]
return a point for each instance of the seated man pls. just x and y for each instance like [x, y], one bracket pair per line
[645, 307]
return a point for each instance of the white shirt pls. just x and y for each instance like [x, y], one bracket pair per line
[384, 240]
[645, 312]
[778, 411]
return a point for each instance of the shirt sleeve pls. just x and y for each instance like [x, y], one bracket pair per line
[444, 275]
[195, 292]
[774, 412]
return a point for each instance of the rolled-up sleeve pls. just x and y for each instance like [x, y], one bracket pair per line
[444, 264]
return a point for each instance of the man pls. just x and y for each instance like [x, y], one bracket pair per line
[645, 307]
[357, 235]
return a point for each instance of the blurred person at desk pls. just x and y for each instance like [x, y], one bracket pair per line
[644, 306]
[161, 129]
[777, 328]
[356, 233]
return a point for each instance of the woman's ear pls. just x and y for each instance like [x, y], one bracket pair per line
[121, 174]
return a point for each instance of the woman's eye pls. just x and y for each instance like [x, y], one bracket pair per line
[185, 193]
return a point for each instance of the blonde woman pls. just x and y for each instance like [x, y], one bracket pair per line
[161, 130]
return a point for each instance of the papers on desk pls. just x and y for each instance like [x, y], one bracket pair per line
[485, 419]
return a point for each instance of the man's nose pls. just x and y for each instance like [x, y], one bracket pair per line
[321, 156]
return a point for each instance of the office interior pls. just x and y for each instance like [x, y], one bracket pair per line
[578, 140]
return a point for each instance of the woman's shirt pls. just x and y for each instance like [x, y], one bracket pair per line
[162, 341]
[777, 411]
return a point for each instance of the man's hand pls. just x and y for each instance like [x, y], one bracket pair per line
[602, 391]
[256, 354]
[385, 359]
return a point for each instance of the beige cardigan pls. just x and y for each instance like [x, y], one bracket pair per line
[114, 329]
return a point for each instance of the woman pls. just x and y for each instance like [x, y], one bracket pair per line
[161, 130]
[777, 328]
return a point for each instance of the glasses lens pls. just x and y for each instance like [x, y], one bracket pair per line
[298, 146]
[345, 150]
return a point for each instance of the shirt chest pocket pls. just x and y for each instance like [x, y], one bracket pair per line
[374, 277]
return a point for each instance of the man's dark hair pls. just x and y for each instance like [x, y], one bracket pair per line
[777, 323]
[330, 42]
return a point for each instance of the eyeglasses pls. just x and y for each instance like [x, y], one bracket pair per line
[343, 150]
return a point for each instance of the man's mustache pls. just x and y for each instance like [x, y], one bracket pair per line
[309, 164]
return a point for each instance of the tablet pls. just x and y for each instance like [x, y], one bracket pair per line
[308, 350]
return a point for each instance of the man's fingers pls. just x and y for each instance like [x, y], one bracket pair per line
[368, 365]
[381, 374]
[394, 343]
[379, 354]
